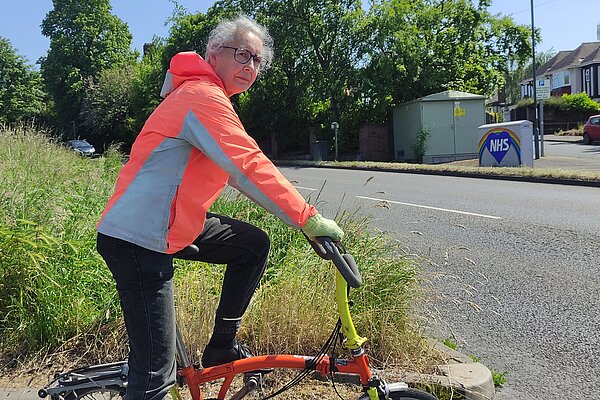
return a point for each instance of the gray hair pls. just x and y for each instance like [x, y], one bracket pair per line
[229, 29]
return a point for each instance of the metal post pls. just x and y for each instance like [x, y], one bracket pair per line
[535, 130]
[336, 145]
[335, 126]
[542, 127]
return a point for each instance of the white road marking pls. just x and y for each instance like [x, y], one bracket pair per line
[431, 208]
[306, 188]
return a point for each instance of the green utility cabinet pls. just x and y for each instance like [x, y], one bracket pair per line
[451, 119]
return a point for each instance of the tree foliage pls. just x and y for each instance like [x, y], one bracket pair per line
[21, 90]
[148, 77]
[85, 39]
[425, 46]
[107, 107]
[521, 71]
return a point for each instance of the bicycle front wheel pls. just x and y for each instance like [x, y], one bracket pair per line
[411, 394]
[402, 392]
[107, 393]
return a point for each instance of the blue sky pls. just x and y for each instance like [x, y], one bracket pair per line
[564, 23]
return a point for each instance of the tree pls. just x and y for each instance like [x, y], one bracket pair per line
[425, 46]
[21, 89]
[85, 39]
[147, 81]
[190, 31]
[521, 71]
[106, 107]
[317, 46]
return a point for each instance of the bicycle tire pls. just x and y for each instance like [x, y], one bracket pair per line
[107, 393]
[410, 394]
[404, 393]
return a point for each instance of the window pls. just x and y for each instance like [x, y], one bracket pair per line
[560, 79]
[587, 75]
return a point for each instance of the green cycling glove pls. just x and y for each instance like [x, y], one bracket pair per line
[317, 225]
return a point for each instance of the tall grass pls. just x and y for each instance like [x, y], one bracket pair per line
[54, 286]
[57, 292]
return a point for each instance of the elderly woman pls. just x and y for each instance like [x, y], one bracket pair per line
[191, 146]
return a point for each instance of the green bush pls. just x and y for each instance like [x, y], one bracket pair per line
[573, 103]
[420, 146]
[528, 102]
[579, 102]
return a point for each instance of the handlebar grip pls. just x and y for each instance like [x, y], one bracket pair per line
[319, 249]
[345, 263]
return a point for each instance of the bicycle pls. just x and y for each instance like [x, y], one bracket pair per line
[110, 380]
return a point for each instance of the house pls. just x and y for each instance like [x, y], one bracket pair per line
[572, 71]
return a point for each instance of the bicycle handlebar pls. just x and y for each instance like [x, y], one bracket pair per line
[345, 263]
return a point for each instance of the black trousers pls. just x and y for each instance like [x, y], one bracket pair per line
[144, 280]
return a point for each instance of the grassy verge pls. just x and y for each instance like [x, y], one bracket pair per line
[459, 168]
[58, 296]
[53, 283]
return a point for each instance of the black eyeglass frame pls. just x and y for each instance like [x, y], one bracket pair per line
[259, 61]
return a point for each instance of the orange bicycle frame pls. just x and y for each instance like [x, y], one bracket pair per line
[358, 365]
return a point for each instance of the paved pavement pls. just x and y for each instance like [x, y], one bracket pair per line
[566, 160]
[19, 394]
[558, 138]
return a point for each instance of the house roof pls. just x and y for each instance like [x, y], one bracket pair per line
[585, 53]
[451, 95]
[551, 64]
[593, 57]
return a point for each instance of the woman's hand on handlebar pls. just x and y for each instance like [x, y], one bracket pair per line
[318, 226]
[335, 252]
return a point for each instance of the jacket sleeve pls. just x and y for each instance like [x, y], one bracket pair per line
[214, 128]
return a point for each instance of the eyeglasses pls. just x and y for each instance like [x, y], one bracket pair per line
[243, 56]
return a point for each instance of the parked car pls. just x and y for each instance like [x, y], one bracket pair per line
[82, 147]
[591, 129]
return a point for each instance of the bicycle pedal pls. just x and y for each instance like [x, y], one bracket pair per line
[256, 377]
[252, 382]
[261, 371]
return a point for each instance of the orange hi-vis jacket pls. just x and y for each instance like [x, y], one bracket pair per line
[191, 146]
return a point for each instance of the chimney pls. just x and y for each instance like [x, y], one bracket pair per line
[598, 31]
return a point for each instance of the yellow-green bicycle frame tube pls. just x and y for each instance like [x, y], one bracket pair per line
[353, 340]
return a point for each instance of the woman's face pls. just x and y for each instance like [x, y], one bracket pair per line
[237, 77]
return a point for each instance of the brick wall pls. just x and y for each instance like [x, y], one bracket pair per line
[374, 142]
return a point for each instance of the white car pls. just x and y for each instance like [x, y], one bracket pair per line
[82, 147]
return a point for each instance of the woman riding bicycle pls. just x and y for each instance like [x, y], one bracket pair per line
[191, 146]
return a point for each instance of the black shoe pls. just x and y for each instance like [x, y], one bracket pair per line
[213, 356]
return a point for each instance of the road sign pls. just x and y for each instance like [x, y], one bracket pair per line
[543, 89]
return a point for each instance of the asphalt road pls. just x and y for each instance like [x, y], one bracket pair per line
[513, 267]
